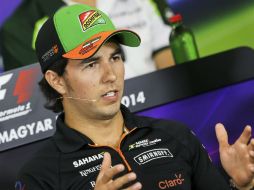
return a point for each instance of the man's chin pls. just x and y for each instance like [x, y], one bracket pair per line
[110, 112]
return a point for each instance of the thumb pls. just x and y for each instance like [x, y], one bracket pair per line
[221, 135]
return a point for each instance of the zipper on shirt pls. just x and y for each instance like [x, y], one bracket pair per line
[118, 149]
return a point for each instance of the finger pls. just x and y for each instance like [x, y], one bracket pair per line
[111, 172]
[136, 186]
[245, 136]
[252, 169]
[119, 182]
[221, 135]
[106, 163]
[251, 154]
[251, 150]
[251, 145]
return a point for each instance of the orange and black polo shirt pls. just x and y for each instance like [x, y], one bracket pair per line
[163, 154]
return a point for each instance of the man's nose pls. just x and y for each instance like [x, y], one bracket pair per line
[109, 74]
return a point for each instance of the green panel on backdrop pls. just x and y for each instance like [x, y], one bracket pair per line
[229, 30]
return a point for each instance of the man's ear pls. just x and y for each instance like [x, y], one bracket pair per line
[55, 81]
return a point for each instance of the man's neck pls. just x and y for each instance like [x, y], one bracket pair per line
[101, 132]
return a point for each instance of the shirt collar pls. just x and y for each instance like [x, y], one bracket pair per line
[70, 140]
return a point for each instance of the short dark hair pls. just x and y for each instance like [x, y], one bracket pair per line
[53, 98]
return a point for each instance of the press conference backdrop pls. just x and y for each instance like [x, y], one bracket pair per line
[199, 94]
[217, 88]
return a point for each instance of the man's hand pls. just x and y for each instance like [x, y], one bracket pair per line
[105, 180]
[237, 159]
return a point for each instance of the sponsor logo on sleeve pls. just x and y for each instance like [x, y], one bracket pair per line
[153, 154]
[90, 18]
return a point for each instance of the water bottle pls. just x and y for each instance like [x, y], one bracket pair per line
[182, 41]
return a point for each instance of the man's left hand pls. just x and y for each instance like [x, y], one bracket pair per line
[237, 159]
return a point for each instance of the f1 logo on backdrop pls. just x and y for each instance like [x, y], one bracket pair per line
[3, 80]
[24, 86]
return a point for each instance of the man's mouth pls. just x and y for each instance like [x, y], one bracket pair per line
[110, 94]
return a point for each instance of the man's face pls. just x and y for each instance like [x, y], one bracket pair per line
[99, 78]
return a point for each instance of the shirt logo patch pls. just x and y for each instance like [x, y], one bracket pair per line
[144, 143]
[88, 159]
[90, 170]
[168, 183]
[89, 19]
[153, 154]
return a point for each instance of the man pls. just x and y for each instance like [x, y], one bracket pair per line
[154, 52]
[98, 143]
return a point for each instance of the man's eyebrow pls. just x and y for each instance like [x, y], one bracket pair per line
[117, 51]
[96, 58]
[91, 59]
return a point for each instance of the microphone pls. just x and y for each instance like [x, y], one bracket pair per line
[85, 99]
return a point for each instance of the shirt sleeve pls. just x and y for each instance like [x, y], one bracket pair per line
[204, 173]
[39, 173]
[28, 182]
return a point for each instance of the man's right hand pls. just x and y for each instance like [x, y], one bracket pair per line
[105, 180]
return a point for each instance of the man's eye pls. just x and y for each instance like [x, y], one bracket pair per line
[90, 65]
[117, 57]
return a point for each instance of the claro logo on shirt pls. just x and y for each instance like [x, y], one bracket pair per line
[153, 154]
[168, 183]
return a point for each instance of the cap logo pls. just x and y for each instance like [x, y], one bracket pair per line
[89, 19]
[50, 53]
[89, 45]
